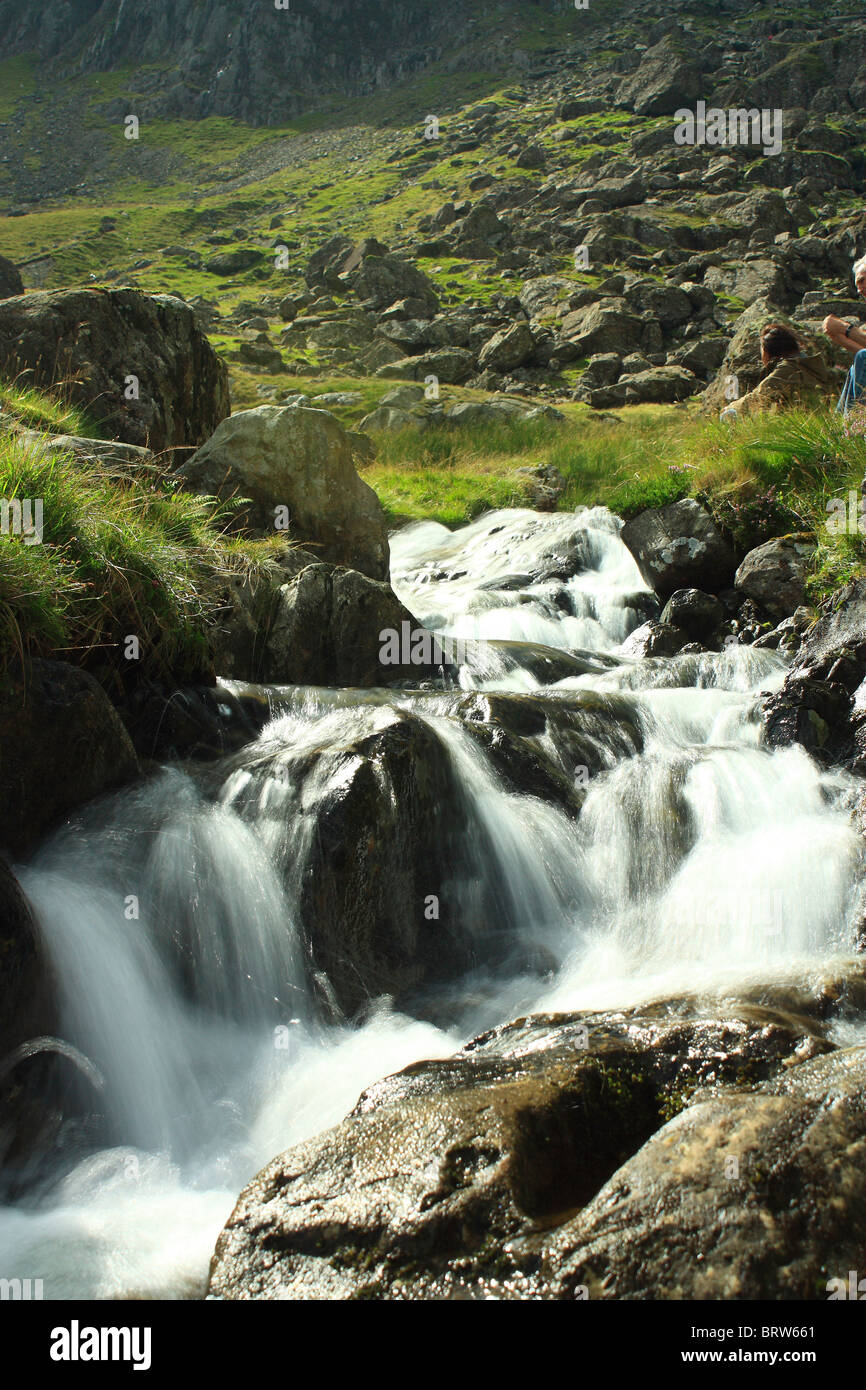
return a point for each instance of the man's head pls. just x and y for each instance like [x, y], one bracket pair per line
[859, 273]
[777, 343]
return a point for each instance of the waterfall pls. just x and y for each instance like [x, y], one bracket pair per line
[173, 913]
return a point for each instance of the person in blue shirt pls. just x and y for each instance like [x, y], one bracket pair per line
[851, 337]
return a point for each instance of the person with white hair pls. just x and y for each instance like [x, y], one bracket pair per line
[853, 338]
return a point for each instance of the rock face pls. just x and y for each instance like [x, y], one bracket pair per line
[10, 280]
[300, 459]
[496, 1172]
[680, 547]
[61, 744]
[138, 363]
[774, 574]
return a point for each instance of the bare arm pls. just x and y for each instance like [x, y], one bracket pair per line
[853, 340]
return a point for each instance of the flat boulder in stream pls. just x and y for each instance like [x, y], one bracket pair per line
[467, 1178]
[742, 1196]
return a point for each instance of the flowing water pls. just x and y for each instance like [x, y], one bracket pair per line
[172, 912]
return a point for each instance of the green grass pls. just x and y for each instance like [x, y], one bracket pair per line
[122, 554]
[761, 477]
[37, 410]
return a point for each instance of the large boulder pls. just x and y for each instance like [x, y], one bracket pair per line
[774, 574]
[667, 303]
[234, 262]
[10, 280]
[658, 384]
[139, 363]
[300, 459]
[751, 281]
[507, 349]
[680, 547]
[696, 613]
[452, 366]
[381, 278]
[667, 78]
[610, 325]
[460, 1178]
[61, 744]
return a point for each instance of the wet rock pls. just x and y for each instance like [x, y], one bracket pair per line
[61, 744]
[697, 613]
[327, 630]
[774, 574]
[25, 981]
[680, 547]
[821, 702]
[654, 639]
[393, 828]
[741, 1196]
[93, 340]
[302, 460]
[460, 1178]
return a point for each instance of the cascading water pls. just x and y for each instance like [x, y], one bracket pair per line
[173, 914]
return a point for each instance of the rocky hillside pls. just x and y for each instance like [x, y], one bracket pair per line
[548, 237]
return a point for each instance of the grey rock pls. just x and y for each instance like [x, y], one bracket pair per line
[680, 547]
[94, 339]
[774, 574]
[303, 460]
